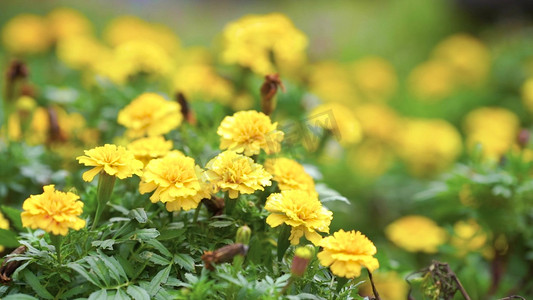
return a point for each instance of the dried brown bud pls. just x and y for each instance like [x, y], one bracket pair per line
[523, 138]
[55, 134]
[186, 111]
[268, 91]
[215, 205]
[16, 75]
[222, 255]
[8, 267]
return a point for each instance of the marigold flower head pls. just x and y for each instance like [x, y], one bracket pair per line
[73, 52]
[26, 34]
[468, 236]
[141, 56]
[527, 94]
[248, 132]
[495, 128]
[371, 158]
[150, 114]
[345, 253]
[176, 181]
[252, 40]
[428, 234]
[432, 81]
[331, 82]
[391, 286]
[112, 159]
[146, 149]
[378, 121]
[235, 173]
[53, 211]
[200, 81]
[290, 175]
[340, 120]
[374, 77]
[300, 210]
[66, 23]
[4, 224]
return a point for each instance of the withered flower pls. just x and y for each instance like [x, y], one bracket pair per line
[268, 91]
[215, 205]
[223, 254]
[186, 111]
[8, 267]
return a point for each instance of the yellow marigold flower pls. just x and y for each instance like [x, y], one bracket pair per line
[177, 180]
[290, 175]
[331, 82]
[146, 149]
[495, 128]
[73, 52]
[248, 132]
[200, 81]
[4, 224]
[26, 34]
[391, 286]
[300, 210]
[142, 56]
[375, 78]
[66, 23]
[428, 234]
[345, 253]
[150, 114]
[432, 81]
[371, 159]
[378, 121]
[427, 156]
[235, 173]
[468, 56]
[128, 28]
[340, 120]
[468, 236]
[252, 40]
[112, 159]
[527, 94]
[53, 211]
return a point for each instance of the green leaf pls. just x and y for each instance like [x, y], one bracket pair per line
[159, 278]
[106, 244]
[283, 240]
[144, 234]
[13, 215]
[34, 283]
[101, 294]
[115, 269]
[121, 295]
[162, 249]
[91, 277]
[220, 224]
[185, 261]
[138, 293]
[155, 258]
[76, 290]
[8, 238]
[326, 194]
[19, 297]
[138, 214]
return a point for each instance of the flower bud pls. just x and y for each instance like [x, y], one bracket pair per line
[268, 91]
[302, 256]
[243, 235]
[523, 138]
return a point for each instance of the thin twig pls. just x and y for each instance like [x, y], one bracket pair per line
[374, 290]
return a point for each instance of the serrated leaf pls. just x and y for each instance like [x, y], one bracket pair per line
[220, 224]
[106, 244]
[144, 234]
[101, 294]
[76, 290]
[185, 261]
[138, 214]
[160, 278]
[8, 238]
[116, 270]
[92, 278]
[34, 283]
[121, 295]
[13, 215]
[160, 247]
[155, 258]
[138, 293]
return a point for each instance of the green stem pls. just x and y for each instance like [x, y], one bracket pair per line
[197, 212]
[229, 204]
[56, 241]
[106, 183]
[283, 240]
[341, 282]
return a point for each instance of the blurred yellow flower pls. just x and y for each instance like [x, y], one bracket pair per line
[495, 128]
[416, 234]
[53, 211]
[300, 210]
[176, 181]
[330, 81]
[338, 119]
[150, 114]
[200, 81]
[248, 132]
[371, 158]
[73, 51]
[527, 94]
[140, 56]
[378, 121]
[432, 81]
[67, 23]
[253, 40]
[467, 237]
[26, 34]
[4, 224]
[112, 159]
[290, 175]
[128, 28]
[428, 146]
[345, 253]
[390, 286]
[374, 77]
[146, 149]
[235, 173]
[468, 57]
